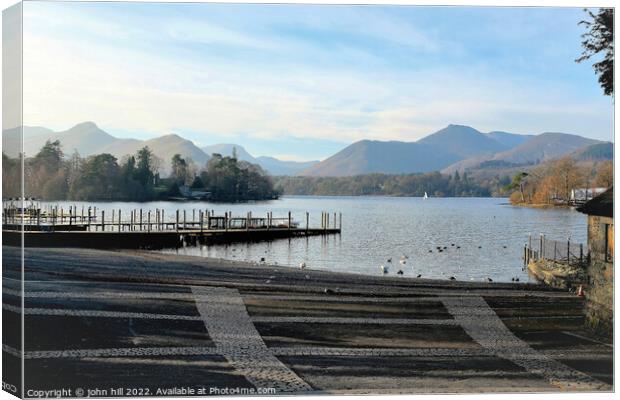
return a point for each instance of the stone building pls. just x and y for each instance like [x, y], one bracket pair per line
[600, 270]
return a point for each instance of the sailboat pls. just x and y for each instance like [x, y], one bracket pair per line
[425, 196]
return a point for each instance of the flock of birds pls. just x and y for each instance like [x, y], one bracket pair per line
[385, 268]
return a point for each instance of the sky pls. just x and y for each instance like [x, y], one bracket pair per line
[300, 82]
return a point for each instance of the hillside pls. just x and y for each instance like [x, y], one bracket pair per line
[464, 141]
[371, 156]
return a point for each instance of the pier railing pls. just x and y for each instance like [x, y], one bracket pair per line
[90, 219]
[563, 252]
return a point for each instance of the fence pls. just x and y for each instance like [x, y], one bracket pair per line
[563, 252]
[54, 218]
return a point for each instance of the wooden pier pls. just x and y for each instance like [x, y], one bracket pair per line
[89, 227]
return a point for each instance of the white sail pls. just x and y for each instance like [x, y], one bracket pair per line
[425, 195]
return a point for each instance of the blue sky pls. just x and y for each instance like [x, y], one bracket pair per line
[301, 82]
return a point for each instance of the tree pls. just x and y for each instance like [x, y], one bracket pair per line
[605, 174]
[144, 166]
[179, 169]
[600, 39]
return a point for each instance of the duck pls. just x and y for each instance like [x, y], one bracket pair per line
[400, 272]
[419, 276]
[403, 262]
[489, 280]
[302, 265]
[452, 278]
[389, 260]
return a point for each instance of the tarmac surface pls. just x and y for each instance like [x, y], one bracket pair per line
[108, 323]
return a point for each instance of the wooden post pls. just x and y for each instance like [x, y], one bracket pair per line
[580, 253]
[541, 244]
[148, 221]
[201, 220]
[184, 220]
[289, 220]
[131, 221]
[307, 221]
[226, 220]
[120, 226]
[140, 219]
[177, 224]
[340, 222]
[102, 220]
[247, 221]
[163, 220]
[568, 252]
[555, 245]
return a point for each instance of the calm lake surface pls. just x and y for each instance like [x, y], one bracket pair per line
[378, 228]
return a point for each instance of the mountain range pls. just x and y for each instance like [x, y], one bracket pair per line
[453, 148]
[87, 139]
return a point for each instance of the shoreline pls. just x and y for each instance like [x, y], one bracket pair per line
[325, 331]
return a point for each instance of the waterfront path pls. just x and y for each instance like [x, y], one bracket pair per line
[104, 320]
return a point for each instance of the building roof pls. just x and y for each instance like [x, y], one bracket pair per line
[602, 205]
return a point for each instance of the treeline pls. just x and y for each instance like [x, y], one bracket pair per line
[50, 176]
[433, 183]
[552, 183]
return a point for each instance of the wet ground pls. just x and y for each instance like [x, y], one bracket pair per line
[132, 323]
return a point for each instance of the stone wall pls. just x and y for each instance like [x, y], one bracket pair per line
[557, 274]
[600, 291]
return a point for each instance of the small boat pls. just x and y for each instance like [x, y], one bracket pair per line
[425, 195]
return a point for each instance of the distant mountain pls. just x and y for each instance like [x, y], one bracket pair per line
[272, 165]
[507, 140]
[87, 139]
[226, 149]
[277, 167]
[431, 153]
[464, 141]
[595, 152]
[536, 149]
[370, 156]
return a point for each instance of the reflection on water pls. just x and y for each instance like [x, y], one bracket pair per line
[482, 237]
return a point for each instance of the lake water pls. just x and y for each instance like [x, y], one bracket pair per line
[375, 229]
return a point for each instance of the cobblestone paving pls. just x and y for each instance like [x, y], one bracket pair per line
[232, 330]
[484, 326]
[125, 314]
[299, 351]
[345, 320]
[97, 313]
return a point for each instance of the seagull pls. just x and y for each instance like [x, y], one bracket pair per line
[302, 265]
[489, 279]
[400, 272]
[384, 269]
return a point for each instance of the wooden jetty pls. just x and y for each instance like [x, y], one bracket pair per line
[89, 227]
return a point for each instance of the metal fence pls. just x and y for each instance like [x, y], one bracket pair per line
[564, 252]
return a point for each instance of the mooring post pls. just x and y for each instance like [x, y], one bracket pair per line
[201, 216]
[177, 224]
[541, 253]
[307, 221]
[148, 221]
[247, 221]
[131, 221]
[555, 248]
[120, 226]
[184, 220]
[580, 253]
[89, 218]
[568, 251]
[340, 222]
[140, 219]
[163, 219]
[102, 220]
[289, 220]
